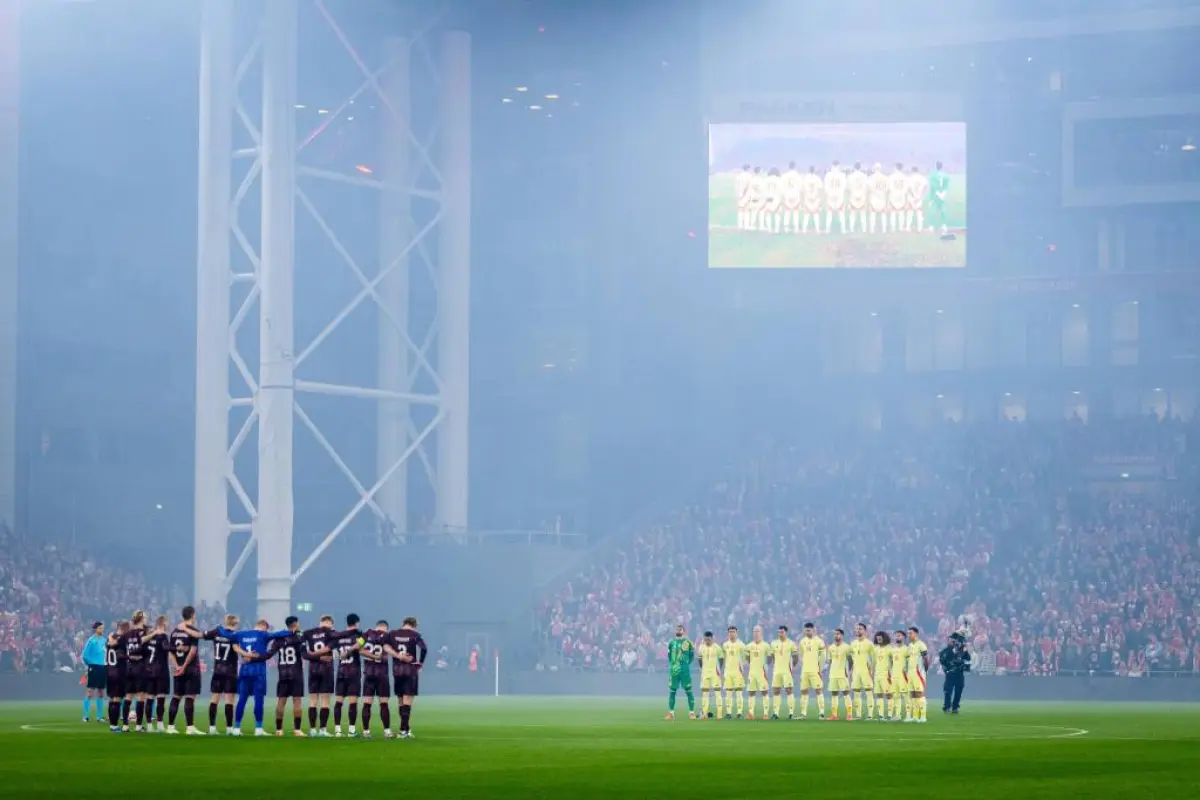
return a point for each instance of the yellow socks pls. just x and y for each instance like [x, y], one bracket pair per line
[803, 705]
[821, 704]
[791, 703]
[741, 703]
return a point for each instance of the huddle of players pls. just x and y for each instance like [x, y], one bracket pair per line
[772, 201]
[880, 678]
[141, 662]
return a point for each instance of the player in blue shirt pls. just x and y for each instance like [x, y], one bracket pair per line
[252, 675]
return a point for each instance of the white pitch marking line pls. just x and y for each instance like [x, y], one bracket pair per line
[1070, 733]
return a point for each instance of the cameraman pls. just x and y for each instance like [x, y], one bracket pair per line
[956, 662]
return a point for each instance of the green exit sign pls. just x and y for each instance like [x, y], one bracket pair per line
[304, 606]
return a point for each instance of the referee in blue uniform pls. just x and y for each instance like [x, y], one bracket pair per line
[94, 655]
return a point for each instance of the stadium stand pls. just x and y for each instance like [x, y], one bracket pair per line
[991, 528]
[51, 594]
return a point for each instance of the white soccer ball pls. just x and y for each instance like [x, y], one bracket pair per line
[132, 717]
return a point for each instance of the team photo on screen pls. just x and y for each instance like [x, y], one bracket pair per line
[856, 195]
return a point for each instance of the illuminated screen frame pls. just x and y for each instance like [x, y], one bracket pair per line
[757, 128]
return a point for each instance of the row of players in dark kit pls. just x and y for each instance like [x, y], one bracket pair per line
[142, 662]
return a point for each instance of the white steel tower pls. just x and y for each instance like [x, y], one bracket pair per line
[269, 394]
[10, 90]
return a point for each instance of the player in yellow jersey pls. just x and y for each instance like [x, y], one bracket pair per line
[783, 660]
[710, 654]
[862, 656]
[839, 673]
[918, 666]
[813, 658]
[899, 655]
[735, 678]
[758, 652]
[882, 679]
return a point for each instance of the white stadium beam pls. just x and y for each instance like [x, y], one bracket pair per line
[10, 91]
[270, 394]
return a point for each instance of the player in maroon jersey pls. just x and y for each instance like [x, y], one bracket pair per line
[117, 664]
[349, 674]
[184, 655]
[408, 652]
[223, 685]
[318, 651]
[290, 683]
[158, 676]
[376, 684]
[135, 670]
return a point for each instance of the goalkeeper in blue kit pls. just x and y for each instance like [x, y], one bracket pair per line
[252, 674]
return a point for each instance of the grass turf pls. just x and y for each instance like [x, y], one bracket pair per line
[592, 747]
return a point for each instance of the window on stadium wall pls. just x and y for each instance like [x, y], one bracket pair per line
[1141, 151]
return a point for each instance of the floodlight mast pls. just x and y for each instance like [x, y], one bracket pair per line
[10, 91]
[273, 392]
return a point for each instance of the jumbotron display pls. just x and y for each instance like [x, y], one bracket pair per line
[841, 195]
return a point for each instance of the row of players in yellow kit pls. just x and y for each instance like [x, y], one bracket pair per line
[880, 679]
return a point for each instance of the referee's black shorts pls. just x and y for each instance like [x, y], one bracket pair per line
[97, 677]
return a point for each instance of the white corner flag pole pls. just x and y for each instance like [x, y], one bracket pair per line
[496, 673]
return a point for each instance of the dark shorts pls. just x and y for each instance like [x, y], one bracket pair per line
[348, 684]
[97, 677]
[222, 683]
[287, 688]
[407, 685]
[157, 685]
[320, 682]
[377, 686]
[116, 682]
[135, 678]
[187, 684]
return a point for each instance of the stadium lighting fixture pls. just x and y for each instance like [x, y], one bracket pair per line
[522, 88]
[299, 106]
[535, 107]
[363, 168]
[1188, 146]
[505, 99]
[551, 97]
[322, 111]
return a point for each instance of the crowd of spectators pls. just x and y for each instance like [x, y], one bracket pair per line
[51, 594]
[994, 529]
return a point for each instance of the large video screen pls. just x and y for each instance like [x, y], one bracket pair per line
[837, 195]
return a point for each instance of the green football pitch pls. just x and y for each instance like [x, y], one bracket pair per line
[588, 747]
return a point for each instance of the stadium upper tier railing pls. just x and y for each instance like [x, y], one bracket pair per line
[573, 541]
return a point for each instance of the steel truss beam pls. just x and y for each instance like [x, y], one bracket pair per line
[272, 389]
[10, 90]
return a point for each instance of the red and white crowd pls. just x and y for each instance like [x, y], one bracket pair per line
[984, 528]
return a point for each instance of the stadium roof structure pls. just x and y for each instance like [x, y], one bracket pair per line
[423, 183]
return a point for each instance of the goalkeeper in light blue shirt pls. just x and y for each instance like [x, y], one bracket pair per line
[252, 674]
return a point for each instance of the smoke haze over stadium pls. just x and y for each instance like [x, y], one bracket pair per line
[403, 313]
